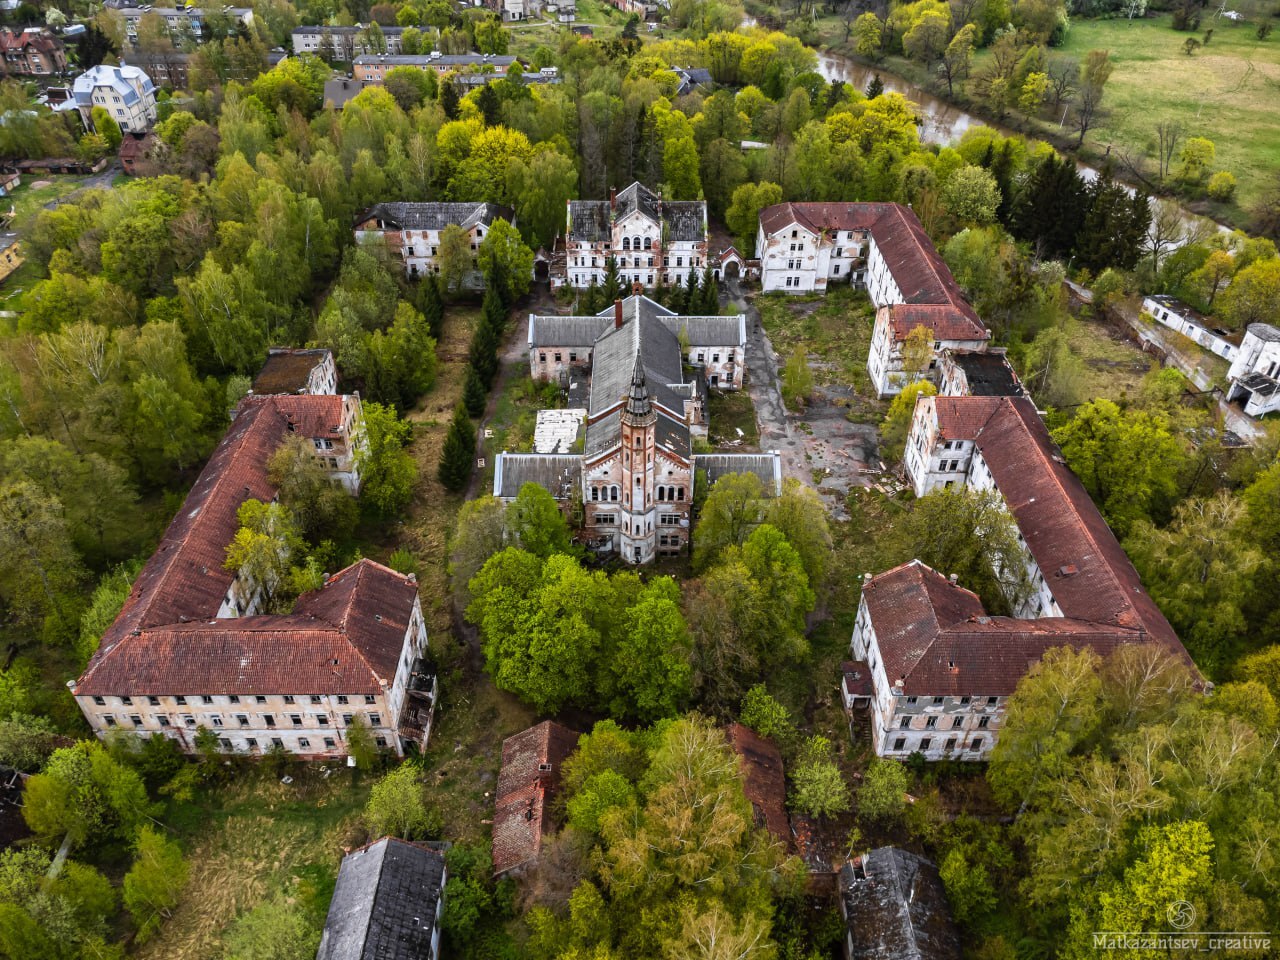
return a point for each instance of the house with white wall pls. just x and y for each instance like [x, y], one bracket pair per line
[939, 664]
[412, 231]
[883, 249]
[1254, 375]
[1176, 315]
[126, 93]
[650, 239]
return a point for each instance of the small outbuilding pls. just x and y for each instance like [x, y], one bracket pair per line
[895, 908]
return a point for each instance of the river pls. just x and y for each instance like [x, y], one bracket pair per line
[941, 123]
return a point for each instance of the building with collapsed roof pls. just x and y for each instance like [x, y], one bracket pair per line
[650, 239]
[941, 668]
[1254, 376]
[883, 249]
[412, 232]
[192, 649]
[528, 782]
[636, 468]
[387, 903]
[289, 371]
[895, 908]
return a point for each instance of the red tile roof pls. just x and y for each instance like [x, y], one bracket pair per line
[936, 638]
[914, 262]
[962, 420]
[331, 644]
[522, 816]
[763, 779]
[166, 638]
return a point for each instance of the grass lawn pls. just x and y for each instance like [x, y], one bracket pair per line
[1227, 91]
[1114, 367]
[515, 416]
[254, 837]
[728, 412]
[27, 200]
[834, 329]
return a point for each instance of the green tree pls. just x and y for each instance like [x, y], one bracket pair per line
[454, 259]
[743, 214]
[958, 56]
[322, 509]
[479, 534]
[797, 379]
[503, 253]
[881, 796]
[897, 422]
[541, 187]
[397, 806]
[1127, 460]
[431, 306]
[107, 128]
[799, 514]
[972, 195]
[534, 522]
[402, 361]
[1051, 369]
[458, 454]
[154, 883]
[650, 659]
[970, 534]
[275, 929]
[474, 394]
[817, 786]
[680, 168]
[360, 743]
[40, 571]
[388, 472]
[733, 508]
[1253, 295]
[263, 550]
[766, 716]
[85, 793]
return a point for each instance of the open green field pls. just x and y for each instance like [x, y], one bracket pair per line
[27, 200]
[1228, 91]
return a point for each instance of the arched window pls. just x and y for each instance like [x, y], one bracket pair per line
[679, 493]
[648, 243]
[613, 493]
[662, 493]
[626, 243]
[635, 244]
[638, 441]
[639, 480]
[595, 493]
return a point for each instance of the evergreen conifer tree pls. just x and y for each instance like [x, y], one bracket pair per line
[493, 312]
[484, 353]
[474, 394]
[689, 302]
[612, 284]
[459, 452]
[875, 87]
[709, 304]
[449, 99]
[431, 305]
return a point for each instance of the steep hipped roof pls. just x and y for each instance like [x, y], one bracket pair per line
[947, 321]
[527, 784]
[614, 363]
[435, 216]
[920, 273]
[896, 908]
[551, 330]
[124, 81]
[763, 779]
[384, 903]
[345, 638]
[593, 220]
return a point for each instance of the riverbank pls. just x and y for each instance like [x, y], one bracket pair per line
[946, 116]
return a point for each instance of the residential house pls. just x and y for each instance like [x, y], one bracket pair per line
[514, 11]
[346, 43]
[136, 153]
[882, 248]
[527, 786]
[185, 24]
[412, 231]
[125, 92]
[636, 469]
[1176, 315]
[763, 779]
[895, 908]
[941, 669]
[339, 91]
[566, 11]
[373, 67]
[387, 903]
[473, 81]
[1254, 375]
[10, 256]
[192, 649]
[166, 68]
[649, 239]
[33, 52]
[293, 371]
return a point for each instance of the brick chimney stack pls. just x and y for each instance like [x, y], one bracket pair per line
[617, 314]
[613, 199]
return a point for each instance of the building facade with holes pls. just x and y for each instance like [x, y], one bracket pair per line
[1254, 375]
[634, 477]
[194, 648]
[650, 240]
[941, 668]
[412, 232]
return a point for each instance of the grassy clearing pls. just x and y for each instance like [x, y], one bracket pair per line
[27, 200]
[250, 839]
[1227, 91]
[834, 329]
[1113, 366]
[515, 415]
[729, 411]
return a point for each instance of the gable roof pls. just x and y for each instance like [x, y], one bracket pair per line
[987, 373]
[919, 271]
[521, 815]
[435, 215]
[384, 903]
[557, 473]
[766, 466]
[763, 779]
[895, 908]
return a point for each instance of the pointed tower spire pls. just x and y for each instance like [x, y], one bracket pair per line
[638, 399]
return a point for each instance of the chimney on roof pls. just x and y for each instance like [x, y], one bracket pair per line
[866, 578]
[613, 199]
[617, 314]
[952, 578]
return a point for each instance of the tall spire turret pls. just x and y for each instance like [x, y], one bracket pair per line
[638, 399]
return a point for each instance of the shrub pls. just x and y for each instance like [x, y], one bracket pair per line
[1222, 186]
